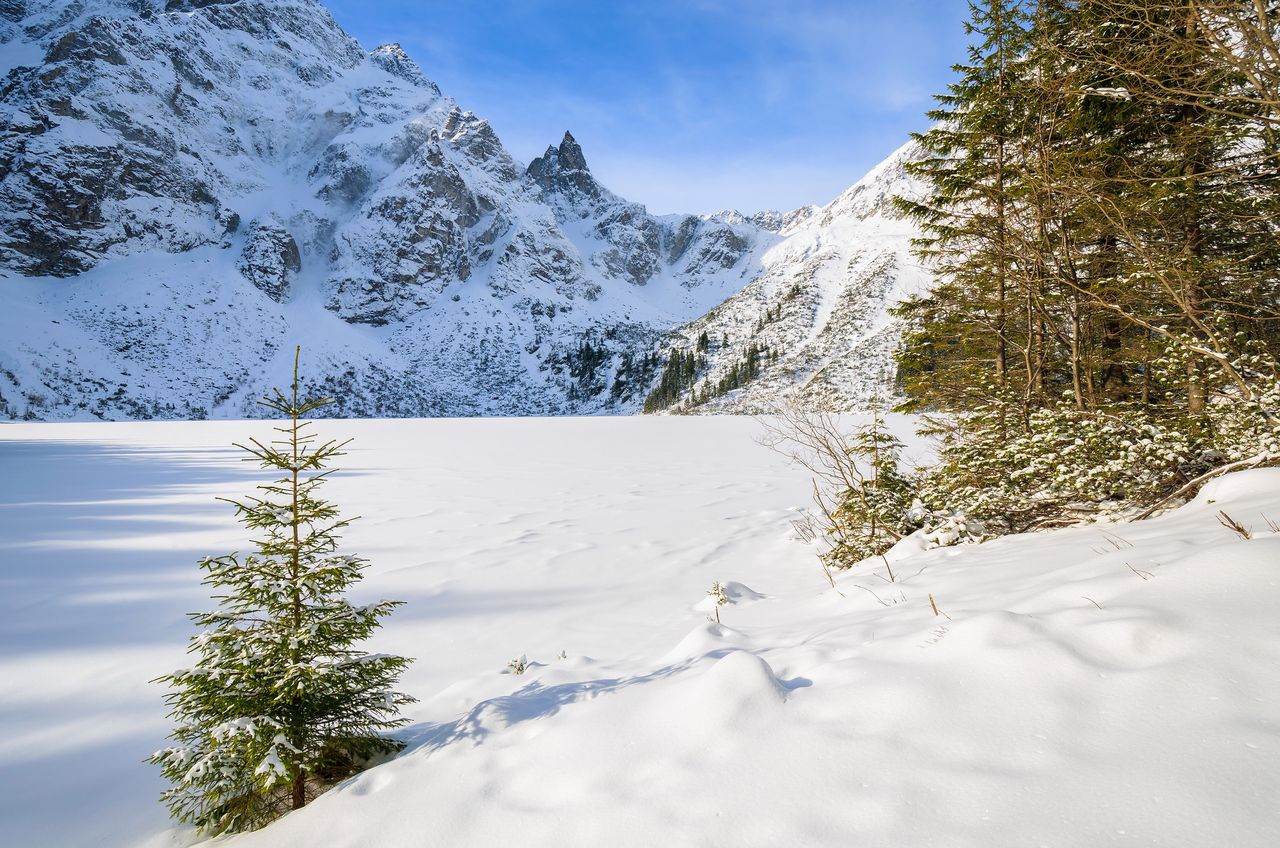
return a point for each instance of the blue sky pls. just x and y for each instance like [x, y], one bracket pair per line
[688, 106]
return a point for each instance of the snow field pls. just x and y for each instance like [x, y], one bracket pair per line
[1112, 684]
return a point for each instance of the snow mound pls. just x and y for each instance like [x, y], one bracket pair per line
[740, 592]
[737, 593]
[739, 690]
[708, 637]
[1241, 485]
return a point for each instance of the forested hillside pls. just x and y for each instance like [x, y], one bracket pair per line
[1104, 223]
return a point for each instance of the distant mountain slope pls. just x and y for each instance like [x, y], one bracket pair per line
[189, 188]
[815, 321]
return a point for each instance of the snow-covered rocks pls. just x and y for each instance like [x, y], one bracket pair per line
[819, 306]
[270, 258]
[563, 171]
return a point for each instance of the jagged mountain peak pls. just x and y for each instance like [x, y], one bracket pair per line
[769, 219]
[873, 195]
[563, 171]
[192, 5]
[42, 16]
[392, 58]
[570, 154]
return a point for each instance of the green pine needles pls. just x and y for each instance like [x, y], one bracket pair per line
[279, 705]
[870, 515]
[1103, 333]
[865, 501]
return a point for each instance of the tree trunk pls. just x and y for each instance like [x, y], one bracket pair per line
[1002, 246]
[1077, 378]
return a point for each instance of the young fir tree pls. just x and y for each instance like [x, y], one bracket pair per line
[280, 703]
[871, 514]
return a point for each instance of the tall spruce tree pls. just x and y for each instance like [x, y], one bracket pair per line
[959, 337]
[1189, 200]
[280, 703]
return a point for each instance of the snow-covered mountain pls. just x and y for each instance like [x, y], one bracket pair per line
[188, 188]
[815, 319]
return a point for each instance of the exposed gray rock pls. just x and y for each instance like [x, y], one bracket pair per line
[635, 240]
[270, 258]
[720, 247]
[770, 220]
[678, 238]
[392, 59]
[563, 171]
[408, 242]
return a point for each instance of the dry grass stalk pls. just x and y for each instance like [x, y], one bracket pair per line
[1233, 525]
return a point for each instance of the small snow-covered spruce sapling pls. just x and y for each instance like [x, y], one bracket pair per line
[280, 704]
[717, 593]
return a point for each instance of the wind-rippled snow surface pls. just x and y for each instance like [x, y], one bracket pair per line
[1113, 684]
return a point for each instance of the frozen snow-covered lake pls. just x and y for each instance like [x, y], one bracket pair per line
[504, 535]
[1102, 685]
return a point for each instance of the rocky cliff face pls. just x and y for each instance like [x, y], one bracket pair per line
[189, 188]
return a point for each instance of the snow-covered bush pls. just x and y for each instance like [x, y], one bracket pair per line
[862, 497]
[1002, 468]
[1249, 427]
[945, 528]
[1062, 464]
[1058, 464]
[518, 665]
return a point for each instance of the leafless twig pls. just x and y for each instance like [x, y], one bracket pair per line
[881, 601]
[1117, 542]
[937, 611]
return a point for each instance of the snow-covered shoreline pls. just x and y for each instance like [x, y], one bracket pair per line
[1111, 684]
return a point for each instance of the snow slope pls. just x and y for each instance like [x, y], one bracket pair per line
[1112, 684]
[821, 303]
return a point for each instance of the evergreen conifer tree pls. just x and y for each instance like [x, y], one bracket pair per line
[280, 703]
[871, 514]
[1102, 225]
[968, 219]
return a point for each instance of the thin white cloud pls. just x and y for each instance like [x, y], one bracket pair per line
[746, 183]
